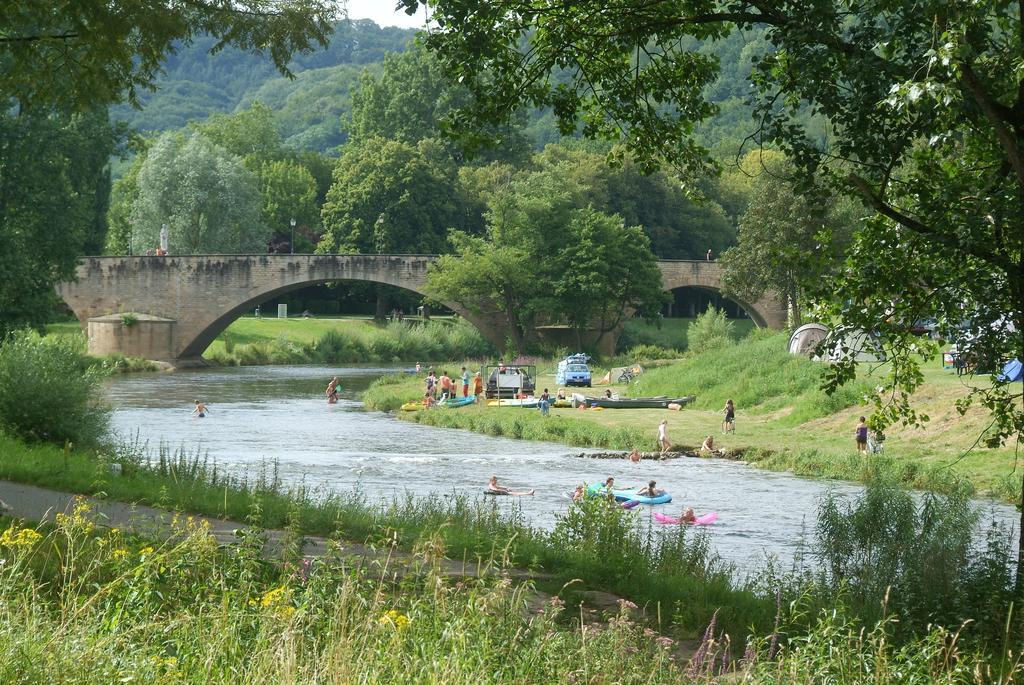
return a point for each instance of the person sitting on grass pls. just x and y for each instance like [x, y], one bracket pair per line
[651, 490]
[428, 400]
[709, 444]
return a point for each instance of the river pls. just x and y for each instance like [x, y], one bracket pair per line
[260, 415]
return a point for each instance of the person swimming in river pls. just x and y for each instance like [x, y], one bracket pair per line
[651, 490]
[634, 456]
[493, 487]
[579, 494]
[200, 411]
[332, 391]
[688, 516]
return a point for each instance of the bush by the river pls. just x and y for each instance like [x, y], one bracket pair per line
[710, 331]
[403, 341]
[50, 391]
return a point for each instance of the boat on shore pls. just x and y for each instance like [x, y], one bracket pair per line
[638, 402]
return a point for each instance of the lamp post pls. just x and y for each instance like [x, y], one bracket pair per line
[293, 235]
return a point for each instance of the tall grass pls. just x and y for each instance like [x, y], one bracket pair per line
[758, 375]
[405, 341]
[85, 604]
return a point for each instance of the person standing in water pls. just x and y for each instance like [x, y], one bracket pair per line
[332, 391]
[200, 411]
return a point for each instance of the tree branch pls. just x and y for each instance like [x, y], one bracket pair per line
[998, 115]
[909, 222]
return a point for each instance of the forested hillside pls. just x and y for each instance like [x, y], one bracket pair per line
[308, 107]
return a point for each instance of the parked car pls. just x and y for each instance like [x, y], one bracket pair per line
[574, 370]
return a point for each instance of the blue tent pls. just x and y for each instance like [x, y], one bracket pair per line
[1012, 372]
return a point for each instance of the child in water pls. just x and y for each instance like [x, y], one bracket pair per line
[688, 516]
[200, 410]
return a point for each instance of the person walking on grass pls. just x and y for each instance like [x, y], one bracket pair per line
[465, 382]
[861, 434]
[663, 441]
[729, 422]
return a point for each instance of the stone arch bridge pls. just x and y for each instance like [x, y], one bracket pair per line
[171, 308]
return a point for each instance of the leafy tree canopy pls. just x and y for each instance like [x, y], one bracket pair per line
[209, 201]
[92, 52]
[542, 259]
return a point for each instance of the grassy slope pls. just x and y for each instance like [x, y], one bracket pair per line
[783, 420]
[671, 333]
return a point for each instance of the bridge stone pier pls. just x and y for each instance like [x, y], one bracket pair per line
[171, 308]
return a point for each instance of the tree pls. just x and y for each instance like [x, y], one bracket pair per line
[412, 100]
[788, 241]
[54, 184]
[927, 118]
[250, 134]
[604, 272]
[288, 191]
[208, 200]
[94, 52]
[390, 197]
[541, 260]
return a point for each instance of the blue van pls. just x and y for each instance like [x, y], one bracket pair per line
[573, 370]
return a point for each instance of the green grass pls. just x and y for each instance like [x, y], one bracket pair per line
[669, 333]
[85, 604]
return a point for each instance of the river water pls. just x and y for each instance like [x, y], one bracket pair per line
[261, 415]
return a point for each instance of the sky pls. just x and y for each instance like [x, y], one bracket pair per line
[383, 12]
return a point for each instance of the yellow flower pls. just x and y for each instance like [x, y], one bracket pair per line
[145, 551]
[393, 618]
[25, 537]
[273, 597]
[119, 553]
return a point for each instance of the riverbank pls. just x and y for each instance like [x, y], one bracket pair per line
[88, 601]
[784, 422]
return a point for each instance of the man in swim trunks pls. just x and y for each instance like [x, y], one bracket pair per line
[200, 410]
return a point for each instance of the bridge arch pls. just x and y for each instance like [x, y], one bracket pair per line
[190, 300]
[767, 312]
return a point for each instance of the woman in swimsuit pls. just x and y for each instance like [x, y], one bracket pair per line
[650, 490]
[729, 424]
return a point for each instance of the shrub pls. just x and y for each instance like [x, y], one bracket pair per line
[709, 331]
[49, 391]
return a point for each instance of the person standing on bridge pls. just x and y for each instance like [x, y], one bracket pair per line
[708, 256]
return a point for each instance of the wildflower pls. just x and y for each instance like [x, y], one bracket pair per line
[274, 597]
[145, 551]
[665, 642]
[15, 538]
[626, 604]
[392, 617]
[119, 553]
